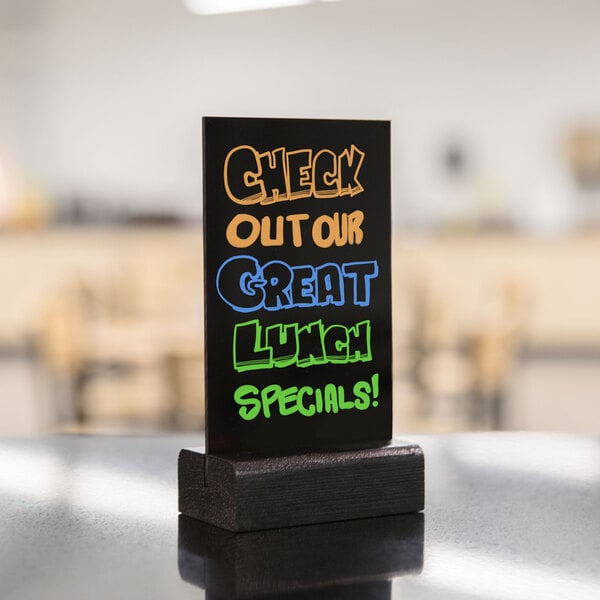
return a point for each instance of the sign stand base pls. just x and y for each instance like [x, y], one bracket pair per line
[248, 493]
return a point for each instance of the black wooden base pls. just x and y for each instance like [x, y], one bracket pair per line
[248, 494]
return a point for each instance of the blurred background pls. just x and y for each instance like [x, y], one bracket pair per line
[495, 110]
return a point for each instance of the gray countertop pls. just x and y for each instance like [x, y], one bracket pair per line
[508, 516]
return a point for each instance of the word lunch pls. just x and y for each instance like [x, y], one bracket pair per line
[285, 345]
[247, 286]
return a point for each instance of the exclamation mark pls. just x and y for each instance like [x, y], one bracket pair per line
[375, 389]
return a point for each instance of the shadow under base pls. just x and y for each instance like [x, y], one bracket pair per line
[241, 493]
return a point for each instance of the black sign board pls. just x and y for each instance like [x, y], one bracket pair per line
[297, 284]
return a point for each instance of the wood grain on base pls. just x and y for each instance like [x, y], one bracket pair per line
[244, 494]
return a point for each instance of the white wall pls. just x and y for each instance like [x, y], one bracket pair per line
[114, 91]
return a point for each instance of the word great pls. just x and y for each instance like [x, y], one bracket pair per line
[306, 400]
[339, 229]
[284, 345]
[251, 177]
[247, 286]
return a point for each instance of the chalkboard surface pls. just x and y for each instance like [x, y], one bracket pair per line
[297, 284]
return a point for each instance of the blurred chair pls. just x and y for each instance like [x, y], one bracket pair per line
[462, 371]
[185, 370]
[440, 371]
[493, 350]
[112, 339]
[60, 349]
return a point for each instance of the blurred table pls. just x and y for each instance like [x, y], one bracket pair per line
[508, 515]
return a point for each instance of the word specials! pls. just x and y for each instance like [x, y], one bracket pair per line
[246, 285]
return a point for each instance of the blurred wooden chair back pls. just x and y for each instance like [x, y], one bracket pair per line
[61, 331]
[494, 349]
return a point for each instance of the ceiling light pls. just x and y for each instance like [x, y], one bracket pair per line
[215, 7]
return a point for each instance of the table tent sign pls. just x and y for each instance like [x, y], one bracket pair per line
[298, 332]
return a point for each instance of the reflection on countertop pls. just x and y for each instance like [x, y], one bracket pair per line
[508, 516]
[349, 559]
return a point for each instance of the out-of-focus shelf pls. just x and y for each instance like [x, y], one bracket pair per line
[559, 273]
